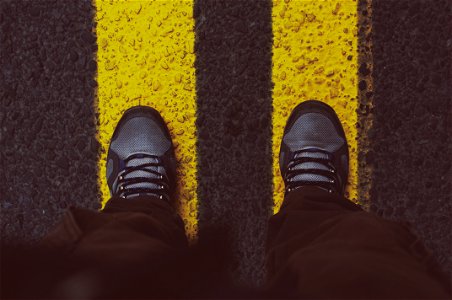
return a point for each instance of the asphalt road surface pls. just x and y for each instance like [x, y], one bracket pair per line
[48, 119]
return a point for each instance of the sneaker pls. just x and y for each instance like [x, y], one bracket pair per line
[314, 149]
[141, 157]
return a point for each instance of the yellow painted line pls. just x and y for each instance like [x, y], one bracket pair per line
[315, 57]
[146, 56]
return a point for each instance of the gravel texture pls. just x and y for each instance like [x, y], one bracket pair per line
[410, 143]
[233, 69]
[47, 88]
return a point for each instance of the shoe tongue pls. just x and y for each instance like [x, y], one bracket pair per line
[310, 166]
[309, 175]
[312, 153]
[140, 173]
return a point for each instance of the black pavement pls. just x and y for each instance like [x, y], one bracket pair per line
[49, 151]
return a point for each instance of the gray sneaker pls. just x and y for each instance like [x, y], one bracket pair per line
[141, 157]
[314, 149]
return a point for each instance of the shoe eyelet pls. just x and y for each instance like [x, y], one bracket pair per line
[121, 188]
[120, 178]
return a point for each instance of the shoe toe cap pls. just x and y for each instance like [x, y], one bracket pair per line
[313, 130]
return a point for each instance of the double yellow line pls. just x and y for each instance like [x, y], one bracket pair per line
[146, 56]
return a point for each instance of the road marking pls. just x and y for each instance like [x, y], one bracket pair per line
[146, 56]
[315, 57]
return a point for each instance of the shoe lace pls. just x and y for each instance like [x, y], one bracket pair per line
[313, 167]
[131, 180]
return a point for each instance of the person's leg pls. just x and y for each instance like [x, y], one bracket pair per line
[136, 244]
[132, 248]
[322, 245]
[126, 231]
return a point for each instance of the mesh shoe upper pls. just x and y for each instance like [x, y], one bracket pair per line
[141, 157]
[314, 148]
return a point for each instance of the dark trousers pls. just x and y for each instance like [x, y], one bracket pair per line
[319, 246]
